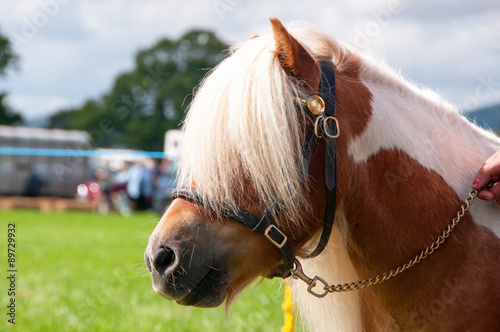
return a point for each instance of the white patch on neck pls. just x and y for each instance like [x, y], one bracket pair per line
[335, 312]
[432, 133]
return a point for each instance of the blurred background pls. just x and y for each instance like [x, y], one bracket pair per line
[120, 75]
[93, 92]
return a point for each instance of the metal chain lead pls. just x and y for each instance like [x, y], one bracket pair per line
[297, 272]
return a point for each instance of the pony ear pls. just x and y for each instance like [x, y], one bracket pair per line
[294, 58]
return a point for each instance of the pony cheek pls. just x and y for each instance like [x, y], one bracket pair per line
[256, 258]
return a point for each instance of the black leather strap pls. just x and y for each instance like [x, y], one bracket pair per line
[307, 151]
[327, 93]
[243, 216]
[327, 87]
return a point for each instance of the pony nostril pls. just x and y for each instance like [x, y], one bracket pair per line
[163, 258]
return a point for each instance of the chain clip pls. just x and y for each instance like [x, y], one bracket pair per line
[298, 273]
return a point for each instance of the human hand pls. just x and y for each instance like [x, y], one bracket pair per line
[487, 180]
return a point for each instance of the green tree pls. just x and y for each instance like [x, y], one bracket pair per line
[8, 60]
[151, 99]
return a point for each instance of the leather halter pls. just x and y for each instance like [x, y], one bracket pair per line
[325, 126]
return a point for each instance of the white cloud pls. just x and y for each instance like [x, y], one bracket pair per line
[32, 102]
[76, 53]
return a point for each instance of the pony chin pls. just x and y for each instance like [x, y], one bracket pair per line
[247, 274]
[237, 287]
[235, 290]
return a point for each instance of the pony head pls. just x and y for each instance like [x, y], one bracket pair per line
[243, 146]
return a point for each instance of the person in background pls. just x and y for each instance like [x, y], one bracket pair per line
[102, 177]
[33, 185]
[487, 179]
[136, 173]
[146, 185]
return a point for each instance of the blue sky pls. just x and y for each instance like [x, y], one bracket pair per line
[71, 50]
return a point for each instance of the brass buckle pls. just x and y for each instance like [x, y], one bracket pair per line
[315, 104]
[268, 230]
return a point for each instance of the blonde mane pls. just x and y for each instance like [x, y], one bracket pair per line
[243, 130]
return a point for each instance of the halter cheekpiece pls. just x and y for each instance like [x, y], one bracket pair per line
[325, 126]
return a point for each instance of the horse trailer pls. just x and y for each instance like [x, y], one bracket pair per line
[42, 162]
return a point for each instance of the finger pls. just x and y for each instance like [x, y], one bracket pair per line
[495, 190]
[489, 170]
[481, 179]
[490, 194]
[486, 195]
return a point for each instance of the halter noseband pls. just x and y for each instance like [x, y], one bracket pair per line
[325, 126]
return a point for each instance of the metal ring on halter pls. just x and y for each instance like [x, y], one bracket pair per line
[320, 117]
[327, 134]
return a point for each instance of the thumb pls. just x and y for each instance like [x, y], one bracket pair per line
[488, 172]
[481, 179]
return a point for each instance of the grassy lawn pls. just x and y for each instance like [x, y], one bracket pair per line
[81, 271]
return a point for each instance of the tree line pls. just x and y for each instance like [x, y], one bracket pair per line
[8, 61]
[144, 103]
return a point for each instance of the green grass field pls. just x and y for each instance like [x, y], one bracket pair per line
[81, 271]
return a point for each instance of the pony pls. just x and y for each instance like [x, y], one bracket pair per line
[405, 159]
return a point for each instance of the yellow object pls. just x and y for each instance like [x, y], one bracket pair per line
[289, 324]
